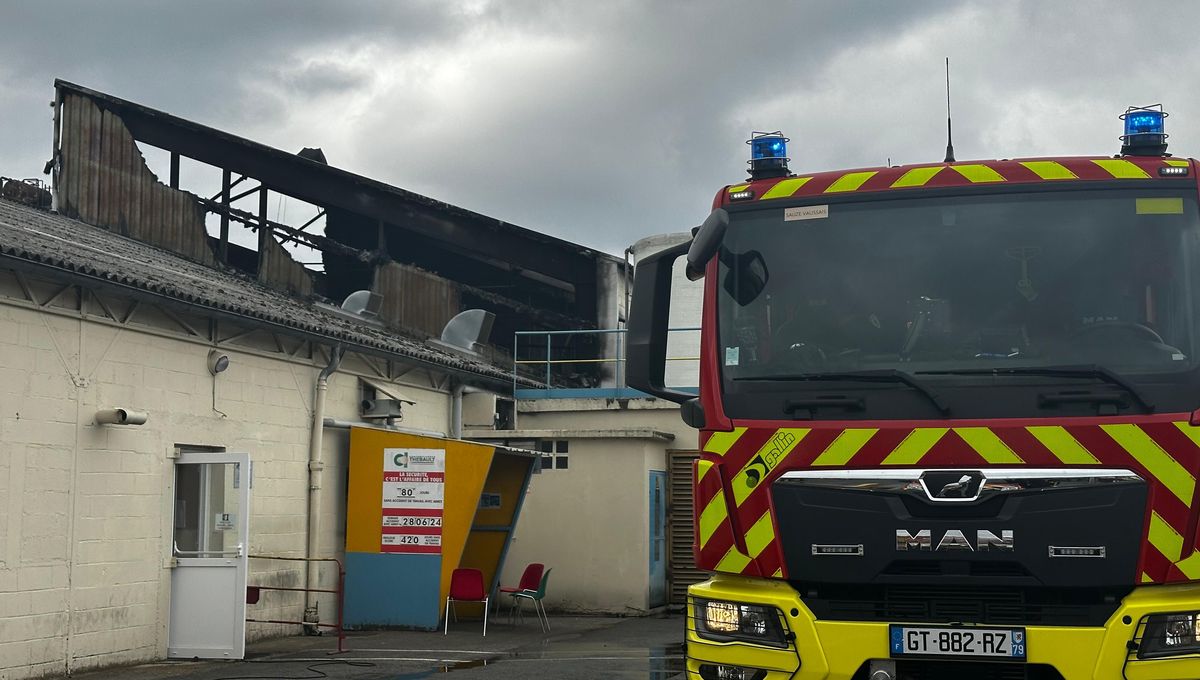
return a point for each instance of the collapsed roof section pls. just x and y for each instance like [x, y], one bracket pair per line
[429, 260]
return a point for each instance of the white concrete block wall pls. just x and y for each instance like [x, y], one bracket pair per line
[600, 549]
[590, 524]
[86, 511]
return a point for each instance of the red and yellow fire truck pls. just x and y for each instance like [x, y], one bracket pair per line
[948, 417]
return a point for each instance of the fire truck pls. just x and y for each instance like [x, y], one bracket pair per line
[948, 417]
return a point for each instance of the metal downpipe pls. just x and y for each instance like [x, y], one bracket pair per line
[315, 466]
[456, 404]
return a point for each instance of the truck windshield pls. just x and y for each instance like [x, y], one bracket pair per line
[940, 284]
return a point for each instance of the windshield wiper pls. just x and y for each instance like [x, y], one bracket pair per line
[1076, 371]
[881, 375]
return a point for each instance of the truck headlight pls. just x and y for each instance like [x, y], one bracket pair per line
[726, 621]
[1170, 635]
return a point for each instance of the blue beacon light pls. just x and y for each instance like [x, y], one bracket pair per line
[1144, 122]
[768, 155]
[1144, 131]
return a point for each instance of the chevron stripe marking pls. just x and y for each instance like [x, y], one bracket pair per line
[850, 181]
[711, 517]
[720, 442]
[760, 534]
[1166, 469]
[987, 444]
[978, 173]
[1164, 538]
[1064, 447]
[1049, 170]
[1190, 566]
[786, 188]
[1121, 169]
[1192, 433]
[917, 177]
[847, 444]
[733, 562]
[915, 446]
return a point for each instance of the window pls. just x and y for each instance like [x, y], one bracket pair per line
[554, 455]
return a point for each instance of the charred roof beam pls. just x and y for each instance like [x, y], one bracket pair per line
[325, 186]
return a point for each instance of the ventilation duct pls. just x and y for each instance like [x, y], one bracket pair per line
[466, 332]
[363, 303]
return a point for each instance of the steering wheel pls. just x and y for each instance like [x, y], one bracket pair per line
[1143, 333]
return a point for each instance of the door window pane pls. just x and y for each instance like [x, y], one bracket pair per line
[206, 508]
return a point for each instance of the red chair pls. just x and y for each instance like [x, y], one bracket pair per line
[466, 585]
[530, 578]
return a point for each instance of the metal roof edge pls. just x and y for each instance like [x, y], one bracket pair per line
[621, 433]
[497, 379]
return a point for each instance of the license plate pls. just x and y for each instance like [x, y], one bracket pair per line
[991, 643]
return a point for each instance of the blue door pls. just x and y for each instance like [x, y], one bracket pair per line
[658, 538]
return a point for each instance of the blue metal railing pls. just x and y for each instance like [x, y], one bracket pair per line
[548, 390]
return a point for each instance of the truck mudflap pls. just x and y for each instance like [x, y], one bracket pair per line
[812, 649]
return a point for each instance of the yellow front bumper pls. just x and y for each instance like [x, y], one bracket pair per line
[835, 650]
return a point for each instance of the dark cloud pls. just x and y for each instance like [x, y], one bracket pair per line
[325, 78]
[606, 122]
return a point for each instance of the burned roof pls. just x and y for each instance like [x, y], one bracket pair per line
[305, 176]
[102, 258]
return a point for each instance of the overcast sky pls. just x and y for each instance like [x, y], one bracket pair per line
[603, 122]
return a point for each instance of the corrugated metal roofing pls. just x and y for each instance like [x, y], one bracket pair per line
[57, 242]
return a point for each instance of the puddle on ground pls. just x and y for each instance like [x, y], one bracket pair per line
[669, 661]
[447, 668]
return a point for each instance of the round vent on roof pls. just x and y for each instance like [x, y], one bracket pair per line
[363, 303]
[466, 332]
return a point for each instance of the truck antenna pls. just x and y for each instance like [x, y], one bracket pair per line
[949, 133]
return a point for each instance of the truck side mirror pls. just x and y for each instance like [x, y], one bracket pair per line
[646, 334]
[706, 243]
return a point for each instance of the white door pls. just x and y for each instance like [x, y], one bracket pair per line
[208, 581]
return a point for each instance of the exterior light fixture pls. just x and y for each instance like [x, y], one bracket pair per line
[217, 361]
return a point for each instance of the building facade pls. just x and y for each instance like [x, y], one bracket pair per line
[126, 297]
[90, 509]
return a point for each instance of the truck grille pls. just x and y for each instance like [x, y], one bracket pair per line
[966, 604]
[975, 670]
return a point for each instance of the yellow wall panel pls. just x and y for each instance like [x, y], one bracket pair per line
[507, 478]
[471, 470]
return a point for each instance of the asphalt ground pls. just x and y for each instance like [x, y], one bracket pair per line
[577, 648]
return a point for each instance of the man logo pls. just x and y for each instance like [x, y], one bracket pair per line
[955, 489]
[955, 539]
[952, 485]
